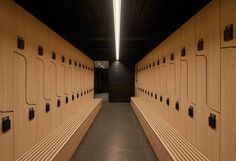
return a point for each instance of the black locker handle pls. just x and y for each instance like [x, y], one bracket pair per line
[40, 50]
[155, 96]
[200, 44]
[212, 121]
[53, 55]
[177, 105]
[63, 58]
[47, 107]
[168, 101]
[190, 111]
[164, 60]
[58, 102]
[67, 99]
[20, 43]
[70, 61]
[31, 114]
[229, 32]
[183, 52]
[6, 124]
[172, 56]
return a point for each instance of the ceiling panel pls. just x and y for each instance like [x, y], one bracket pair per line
[88, 24]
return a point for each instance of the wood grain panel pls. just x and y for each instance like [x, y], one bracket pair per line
[6, 55]
[208, 29]
[228, 110]
[24, 129]
[207, 138]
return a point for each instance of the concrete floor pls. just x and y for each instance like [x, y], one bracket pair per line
[115, 135]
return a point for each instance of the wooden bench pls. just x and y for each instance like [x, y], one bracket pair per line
[60, 144]
[167, 143]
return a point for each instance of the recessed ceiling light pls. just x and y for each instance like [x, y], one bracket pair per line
[99, 63]
[117, 14]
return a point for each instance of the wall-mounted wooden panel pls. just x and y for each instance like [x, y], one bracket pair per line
[228, 110]
[6, 55]
[207, 138]
[188, 54]
[208, 45]
[24, 128]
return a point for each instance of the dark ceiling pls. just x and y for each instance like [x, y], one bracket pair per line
[88, 24]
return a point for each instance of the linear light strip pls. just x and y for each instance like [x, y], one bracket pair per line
[117, 14]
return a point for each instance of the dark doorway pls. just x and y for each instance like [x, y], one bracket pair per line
[101, 77]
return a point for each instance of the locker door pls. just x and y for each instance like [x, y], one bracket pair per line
[208, 44]
[68, 75]
[55, 108]
[60, 79]
[25, 43]
[228, 23]
[46, 44]
[207, 138]
[6, 55]
[188, 109]
[24, 122]
[44, 119]
[188, 54]
[6, 137]
[228, 110]
[175, 50]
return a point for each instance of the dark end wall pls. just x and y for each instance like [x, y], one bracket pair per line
[101, 80]
[121, 81]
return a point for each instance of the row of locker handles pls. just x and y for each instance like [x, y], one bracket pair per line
[228, 36]
[21, 45]
[211, 118]
[6, 121]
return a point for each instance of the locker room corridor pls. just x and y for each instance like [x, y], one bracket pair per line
[118, 80]
[115, 135]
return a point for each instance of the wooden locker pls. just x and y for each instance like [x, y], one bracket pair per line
[208, 44]
[55, 107]
[175, 50]
[207, 137]
[228, 23]
[60, 79]
[25, 27]
[44, 119]
[157, 80]
[68, 75]
[45, 43]
[6, 137]
[6, 55]
[188, 54]
[24, 123]
[187, 121]
[228, 110]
